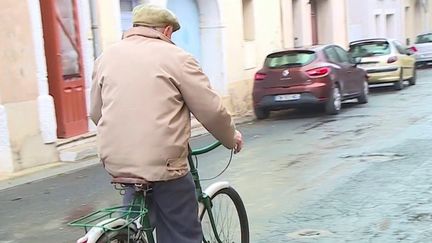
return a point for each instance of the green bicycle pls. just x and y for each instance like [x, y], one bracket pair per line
[221, 210]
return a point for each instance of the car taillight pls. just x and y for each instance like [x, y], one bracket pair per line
[413, 49]
[318, 72]
[392, 59]
[260, 76]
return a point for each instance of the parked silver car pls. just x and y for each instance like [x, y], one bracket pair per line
[423, 49]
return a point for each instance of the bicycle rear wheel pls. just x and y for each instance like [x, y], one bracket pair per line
[230, 218]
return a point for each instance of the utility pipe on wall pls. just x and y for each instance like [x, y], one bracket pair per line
[95, 28]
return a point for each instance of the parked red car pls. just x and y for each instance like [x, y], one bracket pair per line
[319, 75]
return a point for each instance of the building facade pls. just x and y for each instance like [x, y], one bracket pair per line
[417, 19]
[49, 47]
[232, 38]
[396, 19]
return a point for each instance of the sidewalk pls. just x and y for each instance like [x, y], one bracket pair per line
[86, 157]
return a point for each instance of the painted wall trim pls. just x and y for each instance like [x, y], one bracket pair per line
[47, 119]
[87, 52]
[6, 162]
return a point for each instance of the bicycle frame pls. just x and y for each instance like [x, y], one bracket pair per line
[203, 198]
[140, 205]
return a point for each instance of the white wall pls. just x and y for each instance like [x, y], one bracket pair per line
[6, 163]
[362, 16]
[87, 52]
[47, 118]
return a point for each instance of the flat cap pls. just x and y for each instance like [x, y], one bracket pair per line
[154, 16]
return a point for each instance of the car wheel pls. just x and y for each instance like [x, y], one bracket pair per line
[261, 113]
[334, 103]
[399, 85]
[363, 97]
[413, 79]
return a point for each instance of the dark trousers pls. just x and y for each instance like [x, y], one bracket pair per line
[173, 210]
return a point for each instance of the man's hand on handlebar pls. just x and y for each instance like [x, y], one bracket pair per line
[238, 139]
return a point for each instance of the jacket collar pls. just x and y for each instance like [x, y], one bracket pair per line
[146, 32]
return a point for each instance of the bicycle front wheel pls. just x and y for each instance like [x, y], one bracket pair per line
[230, 218]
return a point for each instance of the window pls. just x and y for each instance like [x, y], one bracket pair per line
[332, 55]
[248, 20]
[400, 48]
[370, 49]
[390, 25]
[377, 25]
[68, 37]
[427, 38]
[343, 56]
[290, 59]
[126, 7]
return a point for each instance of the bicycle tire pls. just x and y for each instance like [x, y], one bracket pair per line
[118, 236]
[241, 215]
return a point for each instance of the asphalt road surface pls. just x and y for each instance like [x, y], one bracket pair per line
[364, 175]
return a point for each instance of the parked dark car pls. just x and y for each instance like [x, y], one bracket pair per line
[318, 75]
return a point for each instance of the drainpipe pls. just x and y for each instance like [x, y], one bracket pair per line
[95, 29]
[427, 15]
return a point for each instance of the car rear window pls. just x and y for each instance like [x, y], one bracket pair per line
[370, 49]
[289, 59]
[427, 38]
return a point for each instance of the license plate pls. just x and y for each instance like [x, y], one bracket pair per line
[287, 97]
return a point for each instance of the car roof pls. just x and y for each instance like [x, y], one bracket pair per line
[369, 40]
[315, 48]
[426, 33]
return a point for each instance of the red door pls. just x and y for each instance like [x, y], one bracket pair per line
[64, 65]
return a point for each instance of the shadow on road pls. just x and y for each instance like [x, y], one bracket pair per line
[377, 89]
[307, 112]
[301, 113]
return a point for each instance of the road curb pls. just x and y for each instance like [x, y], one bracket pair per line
[43, 172]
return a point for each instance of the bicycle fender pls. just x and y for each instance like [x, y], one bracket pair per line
[94, 233]
[211, 190]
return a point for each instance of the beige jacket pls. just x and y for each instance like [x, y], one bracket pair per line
[144, 89]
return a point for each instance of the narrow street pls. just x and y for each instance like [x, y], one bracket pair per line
[361, 176]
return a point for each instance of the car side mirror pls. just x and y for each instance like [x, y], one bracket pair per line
[409, 52]
[357, 60]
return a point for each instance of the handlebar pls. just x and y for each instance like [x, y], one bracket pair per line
[206, 148]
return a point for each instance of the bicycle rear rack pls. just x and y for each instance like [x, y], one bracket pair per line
[107, 217]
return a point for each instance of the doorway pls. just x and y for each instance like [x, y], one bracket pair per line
[65, 65]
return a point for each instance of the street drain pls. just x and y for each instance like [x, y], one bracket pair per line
[375, 157]
[309, 233]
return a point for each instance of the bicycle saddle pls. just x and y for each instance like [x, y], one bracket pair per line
[127, 180]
